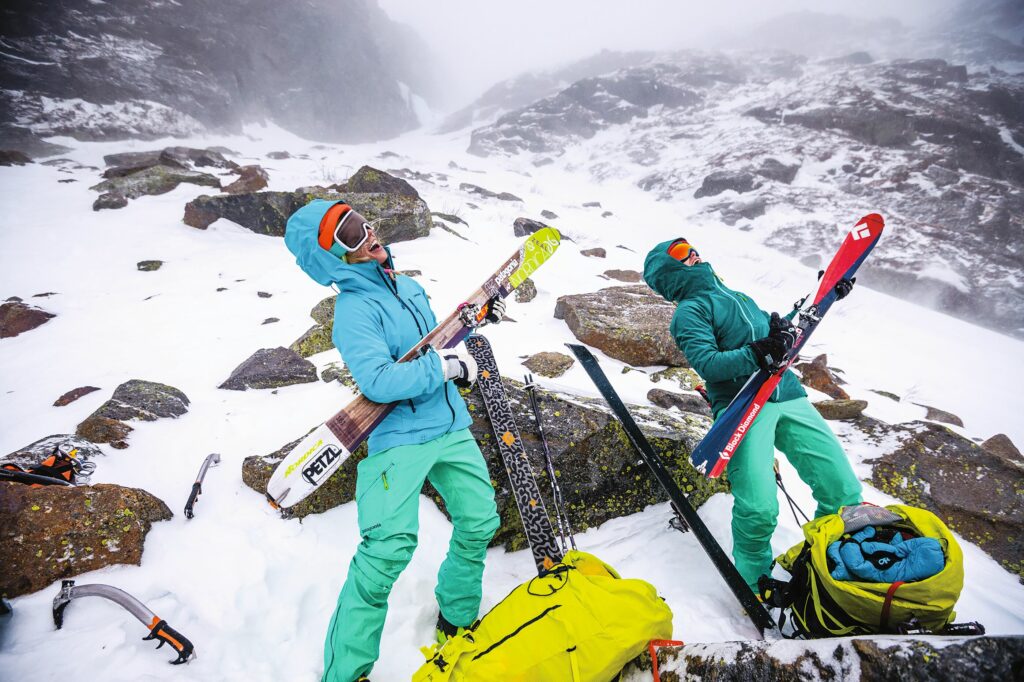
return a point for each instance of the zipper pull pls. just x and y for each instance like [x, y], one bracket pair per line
[384, 477]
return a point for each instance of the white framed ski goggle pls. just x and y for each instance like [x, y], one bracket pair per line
[367, 226]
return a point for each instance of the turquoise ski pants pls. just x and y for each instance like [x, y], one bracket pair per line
[387, 496]
[796, 429]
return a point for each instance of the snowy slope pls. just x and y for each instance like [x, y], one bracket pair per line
[254, 593]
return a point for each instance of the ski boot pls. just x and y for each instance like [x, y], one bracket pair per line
[446, 630]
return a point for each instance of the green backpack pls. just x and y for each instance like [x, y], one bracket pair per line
[821, 606]
[579, 622]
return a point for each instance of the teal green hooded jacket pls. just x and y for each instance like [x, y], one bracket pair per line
[378, 316]
[713, 326]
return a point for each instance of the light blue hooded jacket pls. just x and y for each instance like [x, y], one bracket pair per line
[379, 315]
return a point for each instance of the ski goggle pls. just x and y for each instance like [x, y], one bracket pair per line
[339, 229]
[681, 249]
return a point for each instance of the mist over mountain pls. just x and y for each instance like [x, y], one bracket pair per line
[332, 70]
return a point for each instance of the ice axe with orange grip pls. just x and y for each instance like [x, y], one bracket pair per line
[158, 628]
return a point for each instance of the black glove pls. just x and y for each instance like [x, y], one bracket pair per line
[843, 288]
[771, 350]
[495, 311]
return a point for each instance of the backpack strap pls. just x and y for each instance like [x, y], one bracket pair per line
[884, 620]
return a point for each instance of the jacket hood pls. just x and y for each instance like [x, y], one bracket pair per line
[300, 236]
[672, 280]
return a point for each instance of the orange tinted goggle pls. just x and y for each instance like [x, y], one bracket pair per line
[681, 249]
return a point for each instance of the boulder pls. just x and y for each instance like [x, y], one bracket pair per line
[874, 123]
[271, 368]
[104, 430]
[139, 400]
[526, 292]
[337, 371]
[908, 659]
[977, 493]
[630, 276]
[17, 317]
[1001, 445]
[548, 364]
[369, 180]
[450, 217]
[685, 377]
[12, 157]
[250, 179]
[722, 181]
[773, 169]
[56, 532]
[523, 227]
[267, 212]
[127, 163]
[599, 476]
[149, 265]
[817, 375]
[594, 253]
[317, 338]
[627, 323]
[155, 180]
[109, 200]
[935, 414]
[840, 409]
[548, 215]
[278, 156]
[73, 395]
[486, 193]
[687, 402]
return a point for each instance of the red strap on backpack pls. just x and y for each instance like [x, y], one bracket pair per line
[884, 624]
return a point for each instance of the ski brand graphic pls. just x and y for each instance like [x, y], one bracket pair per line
[507, 270]
[321, 465]
[741, 430]
[862, 233]
[291, 469]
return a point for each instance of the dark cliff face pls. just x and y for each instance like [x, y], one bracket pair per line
[323, 69]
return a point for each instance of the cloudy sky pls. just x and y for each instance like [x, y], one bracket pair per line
[479, 43]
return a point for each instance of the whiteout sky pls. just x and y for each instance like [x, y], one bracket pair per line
[478, 43]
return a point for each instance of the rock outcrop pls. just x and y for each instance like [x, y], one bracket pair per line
[56, 532]
[271, 368]
[403, 217]
[627, 323]
[597, 470]
[18, 317]
[979, 494]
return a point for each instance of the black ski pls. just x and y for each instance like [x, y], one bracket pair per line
[756, 611]
[536, 523]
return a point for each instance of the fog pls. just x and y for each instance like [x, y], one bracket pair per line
[480, 43]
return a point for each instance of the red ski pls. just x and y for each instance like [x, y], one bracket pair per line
[712, 455]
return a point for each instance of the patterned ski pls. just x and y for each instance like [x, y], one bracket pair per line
[712, 455]
[756, 611]
[318, 455]
[539, 532]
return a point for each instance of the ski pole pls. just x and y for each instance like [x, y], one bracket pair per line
[197, 487]
[556, 491]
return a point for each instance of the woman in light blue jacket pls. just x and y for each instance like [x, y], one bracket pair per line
[379, 315]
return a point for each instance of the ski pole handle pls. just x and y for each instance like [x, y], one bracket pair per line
[163, 632]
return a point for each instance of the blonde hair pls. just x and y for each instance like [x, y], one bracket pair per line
[351, 259]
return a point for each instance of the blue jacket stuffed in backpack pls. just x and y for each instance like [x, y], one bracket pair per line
[862, 558]
[378, 316]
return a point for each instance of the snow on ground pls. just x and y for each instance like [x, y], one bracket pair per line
[254, 593]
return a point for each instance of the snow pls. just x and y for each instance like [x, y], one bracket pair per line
[254, 593]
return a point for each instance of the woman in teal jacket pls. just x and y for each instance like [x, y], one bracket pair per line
[725, 337]
[379, 315]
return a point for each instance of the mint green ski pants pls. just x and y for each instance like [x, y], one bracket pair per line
[800, 433]
[387, 496]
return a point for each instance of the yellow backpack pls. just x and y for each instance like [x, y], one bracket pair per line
[579, 622]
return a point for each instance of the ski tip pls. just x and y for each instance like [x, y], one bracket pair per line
[872, 220]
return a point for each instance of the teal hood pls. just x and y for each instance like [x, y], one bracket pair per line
[713, 326]
[672, 280]
[378, 316]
